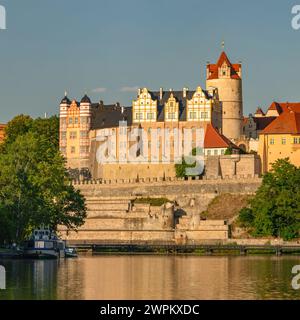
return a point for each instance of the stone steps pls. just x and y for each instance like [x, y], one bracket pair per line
[107, 206]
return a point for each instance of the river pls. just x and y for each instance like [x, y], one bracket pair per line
[152, 277]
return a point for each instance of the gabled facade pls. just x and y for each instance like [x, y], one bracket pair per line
[281, 138]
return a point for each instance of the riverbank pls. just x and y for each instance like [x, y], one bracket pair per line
[9, 254]
[197, 249]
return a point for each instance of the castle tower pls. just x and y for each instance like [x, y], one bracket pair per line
[85, 127]
[227, 78]
[63, 113]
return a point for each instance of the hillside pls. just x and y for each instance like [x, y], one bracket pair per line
[225, 206]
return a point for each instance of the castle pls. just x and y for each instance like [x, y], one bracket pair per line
[117, 157]
[210, 119]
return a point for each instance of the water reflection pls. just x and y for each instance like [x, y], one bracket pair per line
[152, 277]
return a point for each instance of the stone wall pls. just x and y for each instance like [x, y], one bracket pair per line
[113, 215]
[230, 165]
[247, 165]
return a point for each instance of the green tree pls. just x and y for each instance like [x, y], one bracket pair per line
[181, 168]
[34, 184]
[275, 209]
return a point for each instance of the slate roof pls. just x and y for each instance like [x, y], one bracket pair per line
[108, 116]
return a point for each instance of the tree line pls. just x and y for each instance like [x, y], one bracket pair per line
[34, 183]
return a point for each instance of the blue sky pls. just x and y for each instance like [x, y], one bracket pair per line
[108, 47]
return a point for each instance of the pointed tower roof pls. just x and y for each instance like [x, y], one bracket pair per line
[85, 99]
[259, 112]
[223, 58]
[65, 100]
[213, 69]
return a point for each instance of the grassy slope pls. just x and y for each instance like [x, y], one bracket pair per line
[225, 206]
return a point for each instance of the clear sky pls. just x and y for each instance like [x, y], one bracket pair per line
[109, 47]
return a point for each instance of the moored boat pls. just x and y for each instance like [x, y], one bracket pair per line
[44, 244]
[70, 253]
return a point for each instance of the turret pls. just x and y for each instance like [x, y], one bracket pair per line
[227, 78]
[85, 126]
[63, 113]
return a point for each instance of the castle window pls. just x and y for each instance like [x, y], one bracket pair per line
[84, 149]
[139, 116]
[193, 115]
[204, 115]
[283, 140]
[83, 134]
[63, 149]
[208, 152]
[222, 152]
[63, 135]
[73, 149]
[76, 120]
[83, 120]
[272, 141]
[171, 115]
[150, 116]
[73, 135]
[296, 140]
[215, 152]
[70, 120]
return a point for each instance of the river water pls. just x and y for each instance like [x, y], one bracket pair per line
[152, 277]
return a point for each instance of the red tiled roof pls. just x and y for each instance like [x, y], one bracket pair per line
[284, 106]
[287, 122]
[259, 111]
[213, 68]
[213, 139]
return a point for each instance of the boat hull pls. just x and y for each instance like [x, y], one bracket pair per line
[42, 254]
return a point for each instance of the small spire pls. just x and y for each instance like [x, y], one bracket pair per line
[66, 93]
[223, 45]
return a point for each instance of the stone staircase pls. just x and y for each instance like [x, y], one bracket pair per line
[115, 219]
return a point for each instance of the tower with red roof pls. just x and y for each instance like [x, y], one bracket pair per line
[227, 78]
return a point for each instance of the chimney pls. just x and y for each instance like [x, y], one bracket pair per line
[185, 90]
[161, 93]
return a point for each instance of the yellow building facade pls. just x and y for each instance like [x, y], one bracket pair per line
[281, 138]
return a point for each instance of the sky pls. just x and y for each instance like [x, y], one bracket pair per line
[109, 48]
